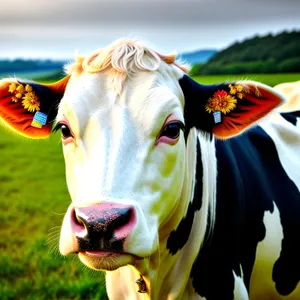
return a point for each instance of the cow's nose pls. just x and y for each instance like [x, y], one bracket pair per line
[103, 219]
[103, 226]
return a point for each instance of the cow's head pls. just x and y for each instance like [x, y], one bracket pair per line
[129, 118]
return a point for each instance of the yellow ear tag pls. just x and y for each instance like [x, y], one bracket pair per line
[39, 120]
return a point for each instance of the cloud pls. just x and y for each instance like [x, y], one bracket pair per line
[62, 25]
[148, 12]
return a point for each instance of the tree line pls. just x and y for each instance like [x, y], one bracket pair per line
[18, 64]
[261, 54]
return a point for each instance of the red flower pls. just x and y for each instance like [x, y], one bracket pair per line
[220, 94]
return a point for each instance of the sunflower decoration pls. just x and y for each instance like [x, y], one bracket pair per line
[223, 101]
[30, 100]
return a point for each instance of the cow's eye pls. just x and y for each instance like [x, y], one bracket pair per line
[65, 130]
[172, 130]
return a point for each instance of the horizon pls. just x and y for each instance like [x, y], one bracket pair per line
[42, 30]
[64, 59]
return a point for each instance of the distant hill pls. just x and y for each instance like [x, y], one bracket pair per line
[33, 68]
[197, 57]
[260, 54]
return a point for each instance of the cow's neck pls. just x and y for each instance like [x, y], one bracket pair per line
[178, 250]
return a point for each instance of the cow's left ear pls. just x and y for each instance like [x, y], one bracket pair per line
[227, 109]
[29, 108]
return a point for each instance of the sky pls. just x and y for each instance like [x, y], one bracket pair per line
[58, 28]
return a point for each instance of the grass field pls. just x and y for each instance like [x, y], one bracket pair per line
[34, 198]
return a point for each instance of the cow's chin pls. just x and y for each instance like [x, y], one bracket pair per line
[106, 261]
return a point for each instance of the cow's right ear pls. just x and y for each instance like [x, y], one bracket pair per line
[28, 107]
[227, 109]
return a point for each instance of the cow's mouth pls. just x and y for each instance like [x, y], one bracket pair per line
[106, 260]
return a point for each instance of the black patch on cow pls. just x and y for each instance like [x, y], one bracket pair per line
[250, 178]
[292, 117]
[180, 235]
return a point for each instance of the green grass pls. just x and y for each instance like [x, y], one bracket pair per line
[269, 79]
[33, 199]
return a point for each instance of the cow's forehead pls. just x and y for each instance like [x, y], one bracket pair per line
[147, 96]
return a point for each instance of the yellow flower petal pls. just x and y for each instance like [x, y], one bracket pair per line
[28, 88]
[20, 88]
[239, 95]
[239, 88]
[14, 99]
[19, 95]
[12, 87]
[232, 89]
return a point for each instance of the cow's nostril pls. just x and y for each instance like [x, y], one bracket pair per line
[77, 219]
[122, 219]
[79, 227]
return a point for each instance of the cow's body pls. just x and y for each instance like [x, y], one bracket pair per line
[257, 223]
[157, 194]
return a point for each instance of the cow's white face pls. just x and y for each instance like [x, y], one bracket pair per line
[125, 156]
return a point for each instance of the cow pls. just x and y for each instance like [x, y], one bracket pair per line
[179, 190]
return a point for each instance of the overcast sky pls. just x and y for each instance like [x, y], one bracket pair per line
[56, 28]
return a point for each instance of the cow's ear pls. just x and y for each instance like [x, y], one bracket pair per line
[227, 109]
[29, 108]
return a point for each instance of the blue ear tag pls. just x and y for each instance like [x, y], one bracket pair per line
[217, 117]
[39, 120]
